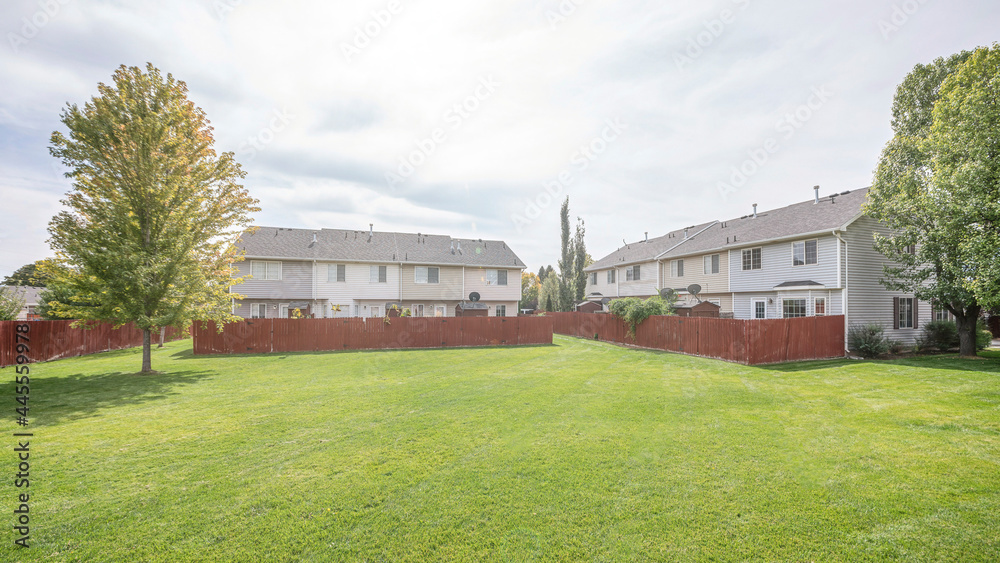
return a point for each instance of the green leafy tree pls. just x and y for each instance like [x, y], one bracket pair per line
[29, 275]
[11, 303]
[541, 274]
[548, 294]
[147, 236]
[529, 290]
[964, 146]
[634, 311]
[925, 243]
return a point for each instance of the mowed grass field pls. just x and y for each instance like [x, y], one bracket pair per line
[580, 451]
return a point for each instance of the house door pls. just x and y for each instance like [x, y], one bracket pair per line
[283, 311]
[759, 308]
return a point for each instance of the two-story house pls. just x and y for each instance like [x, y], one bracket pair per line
[815, 257]
[340, 273]
[634, 270]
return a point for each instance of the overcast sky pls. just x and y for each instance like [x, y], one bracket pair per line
[462, 118]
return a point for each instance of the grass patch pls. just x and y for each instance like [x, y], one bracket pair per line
[577, 451]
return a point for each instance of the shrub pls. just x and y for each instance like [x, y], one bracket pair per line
[983, 335]
[868, 340]
[633, 310]
[942, 335]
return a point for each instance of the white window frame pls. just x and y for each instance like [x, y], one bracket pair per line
[256, 308]
[501, 310]
[804, 246]
[910, 301]
[272, 270]
[712, 264]
[375, 274]
[417, 309]
[677, 268]
[942, 314]
[760, 259]
[633, 273]
[374, 311]
[753, 308]
[440, 311]
[357, 310]
[283, 311]
[422, 274]
[333, 273]
[593, 278]
[805, 311]
[611, 276]
[816, 302]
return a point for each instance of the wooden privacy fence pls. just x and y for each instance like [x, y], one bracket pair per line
[258, 336]
[751, 342]
[52, 340]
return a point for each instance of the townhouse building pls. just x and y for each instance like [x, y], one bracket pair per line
[816, 257]
[330, 273]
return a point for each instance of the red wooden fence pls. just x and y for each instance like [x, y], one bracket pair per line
[307, 335]
[52, 340]
[745, 341]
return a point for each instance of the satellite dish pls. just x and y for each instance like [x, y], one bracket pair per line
[694, 289]
[667, 293]
[474, 296]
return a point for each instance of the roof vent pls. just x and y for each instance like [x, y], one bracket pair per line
[314, 238]
[452, 247]
[459, 247]
[817, 195]
[685, 234]
[371, 231]
[833, 198]
[755, 211]
[647, 236]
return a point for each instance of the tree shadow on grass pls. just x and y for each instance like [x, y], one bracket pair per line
[987, 362]
[58, 399]
[189, 355]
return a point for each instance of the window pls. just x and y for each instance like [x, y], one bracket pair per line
[501, 311]
[357, 310]
[942, 314]
[377, 274]
[283, 311]
[759, 309]
[793, 308]
[417, 310]
[632, 273]
[677, 268]
[375, 312]
[751, 259]
[336, 273]
[425, 274]
[593, 278]
[803, 253]
[910, 249]
[495, 277]
[905, 312]
[819, 306]
[265, 270]
[439, 311]
[712, 264]
[611, 276]
[258, 310]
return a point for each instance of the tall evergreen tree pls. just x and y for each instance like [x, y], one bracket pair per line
[579, 262]
[567, 283]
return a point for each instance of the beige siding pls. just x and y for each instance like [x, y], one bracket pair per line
[475, 280]
[602, 286]
[694, 273]
[448, 288]
[645, 287]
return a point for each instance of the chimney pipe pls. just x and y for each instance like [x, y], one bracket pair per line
[647, 236]
[314, 238]
[685, 234]
[755, 211]
[817, 195]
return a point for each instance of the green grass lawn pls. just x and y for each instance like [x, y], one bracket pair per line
[577, 451]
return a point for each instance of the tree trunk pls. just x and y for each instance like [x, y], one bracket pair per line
[163, 335]
[147, 364]
[966, 325]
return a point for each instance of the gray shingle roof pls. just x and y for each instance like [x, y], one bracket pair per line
[644, 251]
[30, 294]
[355, 246]
[832, 212]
